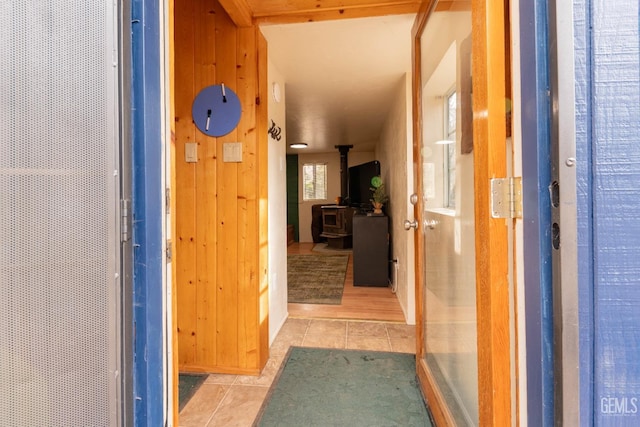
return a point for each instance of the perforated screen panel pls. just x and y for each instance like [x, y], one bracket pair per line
[59, 294]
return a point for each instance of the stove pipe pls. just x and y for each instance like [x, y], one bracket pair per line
[344, 171]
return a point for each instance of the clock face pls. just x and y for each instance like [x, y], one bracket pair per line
[216, 110]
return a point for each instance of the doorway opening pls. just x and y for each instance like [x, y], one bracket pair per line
[206, 257]
[331, 78]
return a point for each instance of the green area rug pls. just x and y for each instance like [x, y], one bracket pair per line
[330, 387]
[325, 249]
[188, 384]
[316, 279]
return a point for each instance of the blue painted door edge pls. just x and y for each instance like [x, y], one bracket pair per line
[536, 175]
[148, 264]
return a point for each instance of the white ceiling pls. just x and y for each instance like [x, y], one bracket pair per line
[340, 77]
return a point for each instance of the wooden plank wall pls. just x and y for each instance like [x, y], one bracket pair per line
[221, 208]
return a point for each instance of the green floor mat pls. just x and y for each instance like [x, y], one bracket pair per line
[188, 384]
[330, 387]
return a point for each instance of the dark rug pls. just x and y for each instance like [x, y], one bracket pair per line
[316, 279]
[188, 384]
[330, 387]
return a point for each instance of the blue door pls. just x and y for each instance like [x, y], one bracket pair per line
[608, 160]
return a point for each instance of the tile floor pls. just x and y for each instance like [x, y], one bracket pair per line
[234, 400]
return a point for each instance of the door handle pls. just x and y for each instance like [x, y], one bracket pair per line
[430, 223]
[408, 225]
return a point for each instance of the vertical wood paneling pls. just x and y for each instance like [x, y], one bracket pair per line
[262, 203]
[220, 228]
[205, 191]
[227, 180]
[185, 237]
[246, 83]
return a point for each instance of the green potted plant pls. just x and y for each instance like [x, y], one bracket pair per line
[379, 196]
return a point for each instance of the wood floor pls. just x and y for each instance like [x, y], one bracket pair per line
[358, 302]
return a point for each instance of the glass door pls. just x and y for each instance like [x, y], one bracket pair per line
[462, 256]
[449, 303]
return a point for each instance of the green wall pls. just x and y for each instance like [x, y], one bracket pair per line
[292, 193]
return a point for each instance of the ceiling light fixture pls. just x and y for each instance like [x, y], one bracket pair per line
[444, 142]
[298, 145]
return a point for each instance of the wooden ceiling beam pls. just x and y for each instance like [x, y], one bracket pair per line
[239, 11]
[333, 13]
[243, 13]
[453, 6]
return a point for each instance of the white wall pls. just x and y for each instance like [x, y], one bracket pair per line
[395, 154]
[333, 185]
[277, 210]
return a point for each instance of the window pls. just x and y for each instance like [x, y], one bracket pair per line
[314, 181]
[450, 151]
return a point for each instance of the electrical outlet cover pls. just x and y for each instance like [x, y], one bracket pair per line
[232, 152]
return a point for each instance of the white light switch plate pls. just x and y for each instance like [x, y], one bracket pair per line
[232, 152]
[191, 152]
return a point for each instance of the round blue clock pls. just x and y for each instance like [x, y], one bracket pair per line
[216, 110]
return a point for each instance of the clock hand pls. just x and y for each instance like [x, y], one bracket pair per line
[208, 120]
[224, 94]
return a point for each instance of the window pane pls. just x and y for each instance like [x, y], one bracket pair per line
[450, 152]
[314, 180]
[452, 175]
[452, 113]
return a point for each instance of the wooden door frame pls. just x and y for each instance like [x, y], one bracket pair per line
[492, 269]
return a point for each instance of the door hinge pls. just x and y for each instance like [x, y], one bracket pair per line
[506, 197]
[124, 220]
[167, 200]
[169, 251]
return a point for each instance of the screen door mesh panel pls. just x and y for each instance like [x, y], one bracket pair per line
[59, 294]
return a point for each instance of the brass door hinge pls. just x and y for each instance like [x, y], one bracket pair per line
[506, 197]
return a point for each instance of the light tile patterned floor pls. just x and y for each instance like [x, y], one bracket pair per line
[234, 400]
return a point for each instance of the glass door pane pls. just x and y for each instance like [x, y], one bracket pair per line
[448, 199]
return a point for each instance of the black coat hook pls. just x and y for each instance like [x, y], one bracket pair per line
[275, 131]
